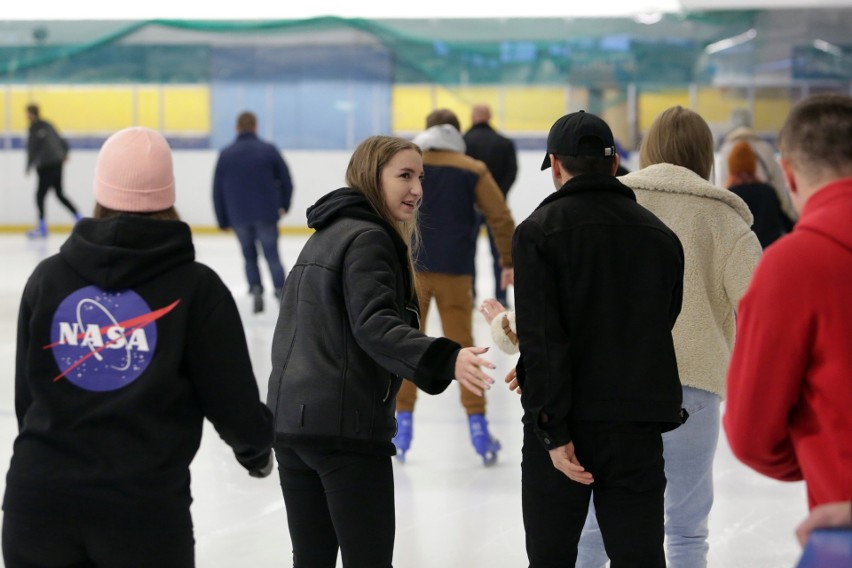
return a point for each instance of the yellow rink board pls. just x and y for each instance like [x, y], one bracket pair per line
[98, 109]
[186, 109]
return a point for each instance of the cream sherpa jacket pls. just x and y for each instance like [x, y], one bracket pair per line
[720, 252]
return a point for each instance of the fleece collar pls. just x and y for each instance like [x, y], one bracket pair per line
[668, 178]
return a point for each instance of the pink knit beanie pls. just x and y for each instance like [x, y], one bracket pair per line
[134, 172]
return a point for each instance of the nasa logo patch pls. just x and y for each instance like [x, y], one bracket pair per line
[103, 341]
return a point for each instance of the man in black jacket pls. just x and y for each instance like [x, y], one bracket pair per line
[599, 282]
[46, 152]
[498, 152]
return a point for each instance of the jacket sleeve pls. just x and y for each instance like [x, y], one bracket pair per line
[491, 202]
[544, 343]
[219, 196]
[285, 184]
[740, 265]
[23, 395]
[218, 364]
[504, 332]
[33, 142]
[765, 377]
[511, 167]
[370, 292]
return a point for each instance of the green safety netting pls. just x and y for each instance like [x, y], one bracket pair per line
[668, 49]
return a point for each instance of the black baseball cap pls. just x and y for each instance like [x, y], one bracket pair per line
[579, 134]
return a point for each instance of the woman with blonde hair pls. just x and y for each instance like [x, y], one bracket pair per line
[721, 252]
[346, 336]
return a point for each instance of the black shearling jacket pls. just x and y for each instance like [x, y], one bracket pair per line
[347, 334]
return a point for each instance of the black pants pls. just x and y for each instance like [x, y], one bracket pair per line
[35, 540]
[626, 460]
[51, 176]
[338, 500]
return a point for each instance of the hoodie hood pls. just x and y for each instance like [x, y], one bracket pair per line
[349, 203]
[677, 179]
[441, 137]
[741, 133]
[343, 202]
[828, 211]
[124, 251]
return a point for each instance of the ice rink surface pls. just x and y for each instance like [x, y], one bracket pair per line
[451, 511]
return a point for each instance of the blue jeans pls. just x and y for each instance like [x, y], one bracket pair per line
[499, 294]
[265, 233]
[689, 452]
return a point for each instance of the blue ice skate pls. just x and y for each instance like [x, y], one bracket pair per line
[484, 444]
[402, 440]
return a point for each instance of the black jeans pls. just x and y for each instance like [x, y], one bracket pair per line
[33, 539]
[51, 176]
[626, 460]
[338, 500]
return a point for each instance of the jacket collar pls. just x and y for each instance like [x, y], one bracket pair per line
[668, 178]
[583, 183]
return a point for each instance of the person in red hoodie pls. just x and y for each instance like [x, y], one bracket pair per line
[790, 379]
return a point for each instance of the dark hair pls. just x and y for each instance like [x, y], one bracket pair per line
[169, 214]
[577, 165]
[32, 108]
[442, 116]
[246, 122]
[815, 137]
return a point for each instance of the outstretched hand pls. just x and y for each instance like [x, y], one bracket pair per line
[490, 309]
[468, 370]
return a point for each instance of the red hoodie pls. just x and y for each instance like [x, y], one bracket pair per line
[789, 408]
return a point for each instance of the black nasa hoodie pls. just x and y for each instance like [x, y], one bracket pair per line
[125, 344]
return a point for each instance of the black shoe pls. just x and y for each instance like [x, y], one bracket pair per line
[257, 295]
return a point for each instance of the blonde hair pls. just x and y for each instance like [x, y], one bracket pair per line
[364, 173]
[681, 137]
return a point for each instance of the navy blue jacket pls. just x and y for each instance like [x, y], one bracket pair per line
[452, 185]
[251, 183]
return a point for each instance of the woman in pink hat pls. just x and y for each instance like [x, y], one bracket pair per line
[125, 344]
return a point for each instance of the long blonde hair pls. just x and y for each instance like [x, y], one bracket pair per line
[364, 173]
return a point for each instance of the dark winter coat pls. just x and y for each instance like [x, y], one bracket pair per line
[770, 222]
[454, 186]
[125, 346]
[598, 288]
[347, 334]
[496, 151]
[45, 147]
[251, 183]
